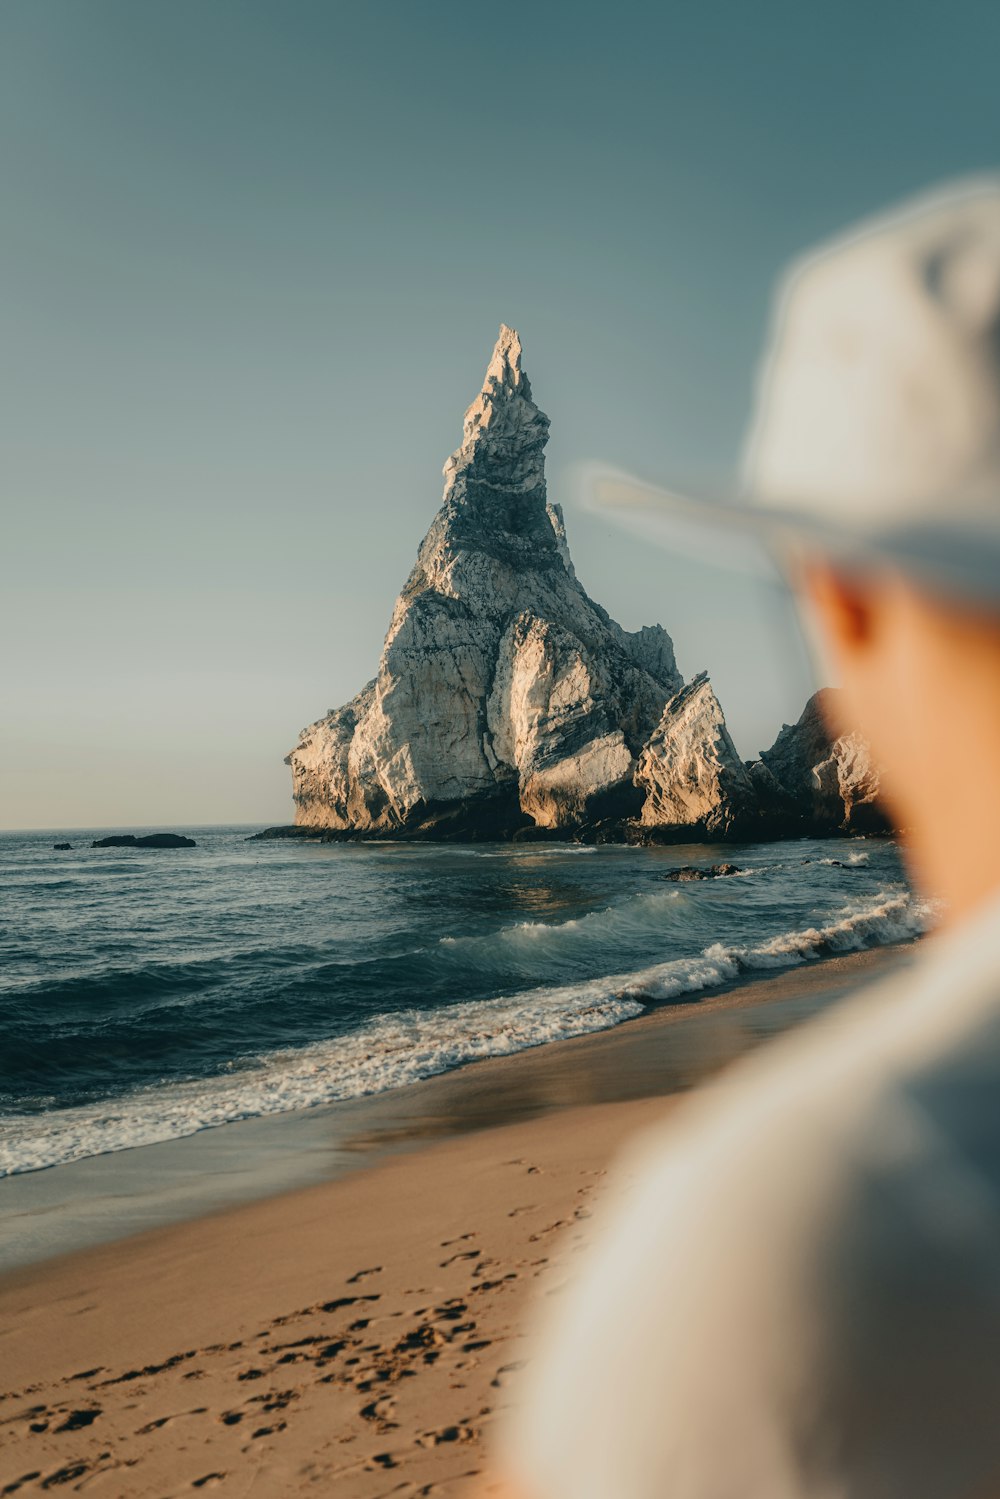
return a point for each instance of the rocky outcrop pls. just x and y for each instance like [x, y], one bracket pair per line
[148, 840]
[691, 772]
[505, 696]
[818, 779]
[508, 703]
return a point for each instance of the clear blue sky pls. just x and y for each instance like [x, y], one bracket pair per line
[254, 257]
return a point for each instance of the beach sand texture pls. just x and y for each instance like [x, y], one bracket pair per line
[357, 1338]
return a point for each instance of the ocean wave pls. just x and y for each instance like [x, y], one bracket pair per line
[392, 1051]
[535, 850]
[640, 917]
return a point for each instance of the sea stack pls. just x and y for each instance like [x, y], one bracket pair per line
[508, 704]
[505, 697]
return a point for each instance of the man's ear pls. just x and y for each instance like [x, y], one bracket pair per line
[843, 605]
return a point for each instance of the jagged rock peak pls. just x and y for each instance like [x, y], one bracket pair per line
[504, 696]
[504, 433]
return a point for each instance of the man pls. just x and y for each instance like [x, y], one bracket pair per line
[799, 1292]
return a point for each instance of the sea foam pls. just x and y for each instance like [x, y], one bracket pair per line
[393, 1050]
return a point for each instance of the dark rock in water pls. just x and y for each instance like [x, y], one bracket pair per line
[691, 872]
[149, 840]
[62, 845]
[287, 830]
[165, 840]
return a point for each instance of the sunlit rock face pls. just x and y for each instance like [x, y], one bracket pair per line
[827, 780]
[508, 703]
[505, 697]
[691, 772]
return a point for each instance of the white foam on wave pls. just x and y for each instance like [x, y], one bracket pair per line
[536, 850]
[640, 914]
[398, 1049]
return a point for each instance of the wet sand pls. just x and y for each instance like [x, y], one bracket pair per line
[359, 1336]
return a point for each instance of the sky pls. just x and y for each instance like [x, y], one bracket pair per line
[254, 258]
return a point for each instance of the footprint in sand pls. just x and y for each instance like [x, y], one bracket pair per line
[151, 1369]
[502, 1377]
[33, 1413]
[462, 1239]
[268, 1431]
[153, 1425]
[209, 1481]
[551, 1229]
[456, 1433]
[450, 1311]
[380, 1412]
[424, 1336]
[65, 1475]
[463, 1254]
[275, 1400]
[360, 1275]
[77, 1420]
[491, 1285]
[342, 1301]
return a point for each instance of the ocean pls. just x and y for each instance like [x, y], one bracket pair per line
[151, 994]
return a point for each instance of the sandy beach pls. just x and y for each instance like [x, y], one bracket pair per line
[359, 1336]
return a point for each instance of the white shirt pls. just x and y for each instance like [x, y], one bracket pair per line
[799, 1294]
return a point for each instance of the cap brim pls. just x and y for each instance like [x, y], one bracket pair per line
[704, 522]
[960, 557]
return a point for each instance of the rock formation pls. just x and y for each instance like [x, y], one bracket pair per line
[507, 702]
[148, 840]
[824, 780]
[505, 696]
[691, 771]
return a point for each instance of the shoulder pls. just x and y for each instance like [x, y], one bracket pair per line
[805, 1242]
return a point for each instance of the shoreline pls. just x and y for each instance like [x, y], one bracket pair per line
[362, 1334]
[102, 1199]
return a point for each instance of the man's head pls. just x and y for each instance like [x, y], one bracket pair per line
[874, 460]
[872, 469]
[876, 449]
[920, 676]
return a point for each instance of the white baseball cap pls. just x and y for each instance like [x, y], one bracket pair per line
[876, 435]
